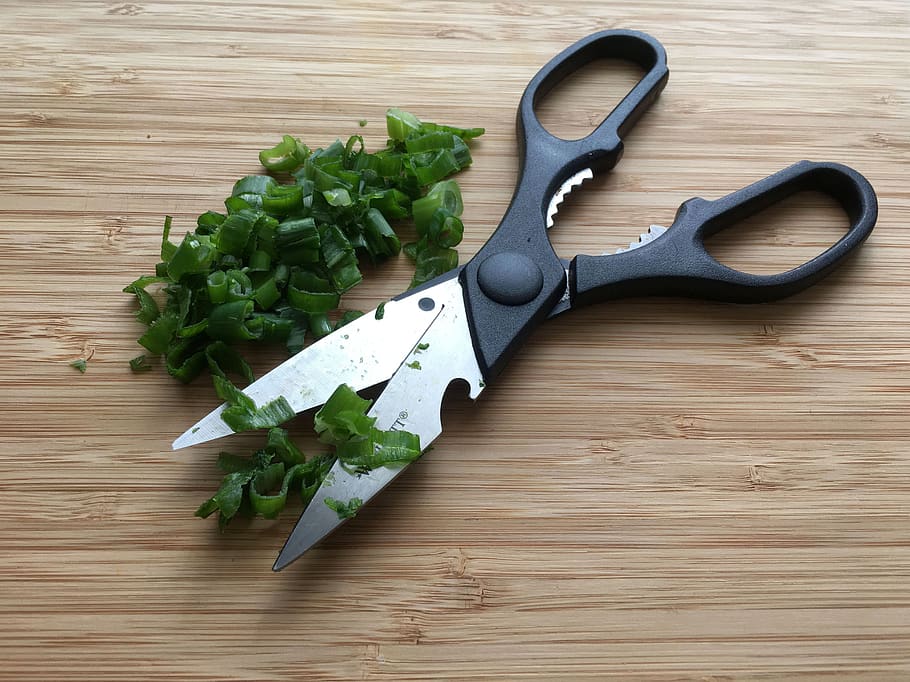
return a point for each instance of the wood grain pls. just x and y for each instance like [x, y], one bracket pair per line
[654, 490]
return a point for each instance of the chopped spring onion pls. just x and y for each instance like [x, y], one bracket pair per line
[140, 363]
[273, 265]
[79, 364]
[432, 261]
[320, 325]
[445, 195]
[345, 510]
[193, 256]
[439, 228]
[289, 154]
[381, 448]
[343, 422]
[148, 309]
[284, 447]
[160, 334]
[260, 484]
[230, 322]
[401, 124]
[343, 417]
[242, 414]
[311, 293]
[222, 358]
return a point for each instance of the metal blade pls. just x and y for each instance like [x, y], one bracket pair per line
[361, 354]
[564, 189]
[410, 402]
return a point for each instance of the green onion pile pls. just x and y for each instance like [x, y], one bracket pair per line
[260, 484]
[273, 268]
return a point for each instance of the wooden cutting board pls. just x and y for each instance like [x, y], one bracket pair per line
[654, 490]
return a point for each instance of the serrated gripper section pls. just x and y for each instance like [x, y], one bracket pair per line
[653, 233]
[564, 189]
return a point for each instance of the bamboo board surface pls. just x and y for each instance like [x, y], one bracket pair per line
[653, 490]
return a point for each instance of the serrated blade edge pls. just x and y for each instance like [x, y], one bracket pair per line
[564, 189]
[653, 233]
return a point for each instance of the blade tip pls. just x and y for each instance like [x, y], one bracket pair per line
[282, 561]
[185, 440]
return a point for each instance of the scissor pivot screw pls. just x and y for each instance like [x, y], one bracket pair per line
[426, 303]
[510, 278]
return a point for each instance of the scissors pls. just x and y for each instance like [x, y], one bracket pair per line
[470, 321]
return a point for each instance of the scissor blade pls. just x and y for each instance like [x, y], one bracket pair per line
[410, 402]
[361, 354]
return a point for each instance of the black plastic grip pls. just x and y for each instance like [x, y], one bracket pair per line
[602, 148]
[516, 278]
[677, 263]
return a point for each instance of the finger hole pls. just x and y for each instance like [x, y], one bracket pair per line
[581, 101]
[781, 237]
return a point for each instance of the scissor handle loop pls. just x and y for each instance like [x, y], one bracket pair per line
[678, 264]
[602, 148]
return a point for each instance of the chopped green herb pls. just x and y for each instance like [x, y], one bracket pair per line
[381, 448]
[148, 309]
[272, 265]
[79, 364]
[422, 346]
[242, 414]
[259, 485]
[287, 155]
[345, 510]
[343, 422]
[140, 363]
[277, 260]
[362, 122]
[343, 417]
[414, 365]
[431, 261]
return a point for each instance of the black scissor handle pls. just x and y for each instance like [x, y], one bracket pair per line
[677, 263]
[546, 160]
[513, 282]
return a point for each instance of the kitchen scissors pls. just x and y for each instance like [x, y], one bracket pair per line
[468, 323]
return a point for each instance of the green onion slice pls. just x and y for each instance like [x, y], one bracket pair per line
[343, 417]
[345, 510]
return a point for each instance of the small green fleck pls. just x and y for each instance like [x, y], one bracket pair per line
[414, 365]
[345, 510]
[79, 364]
[422, 346]
[195, 429]
[380, 311]
[140, 364]
[482, 384]
[362, 122]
